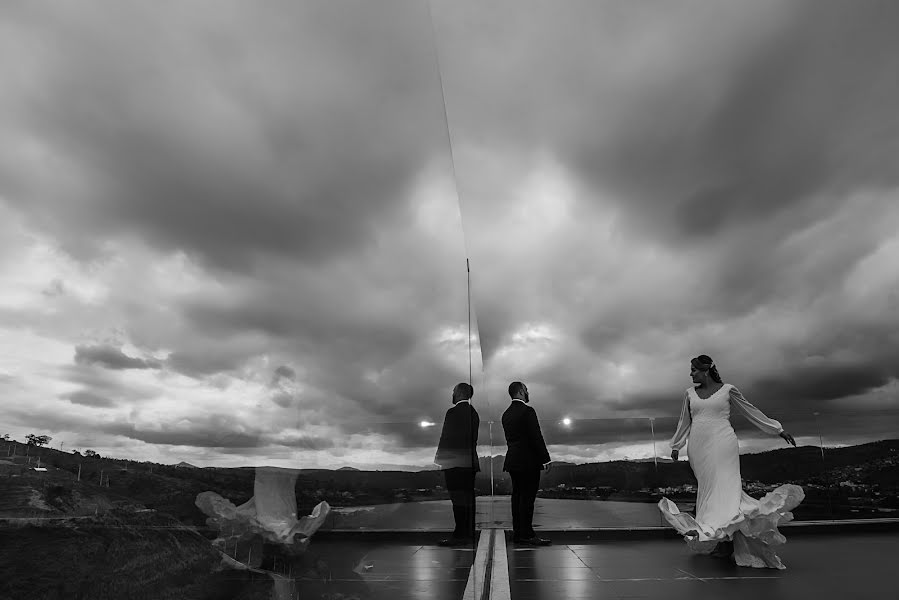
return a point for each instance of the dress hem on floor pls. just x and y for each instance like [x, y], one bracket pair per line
[753, 530]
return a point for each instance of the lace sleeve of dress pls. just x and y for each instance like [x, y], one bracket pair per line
[683, 425]
[755, 416]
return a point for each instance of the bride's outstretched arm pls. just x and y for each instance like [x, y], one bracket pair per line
[755, 416]
[683, 425]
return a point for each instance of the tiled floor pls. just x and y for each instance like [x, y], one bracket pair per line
[858, 566]
[819, 566]
[389, 571]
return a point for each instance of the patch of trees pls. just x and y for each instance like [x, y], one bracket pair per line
[37, 440]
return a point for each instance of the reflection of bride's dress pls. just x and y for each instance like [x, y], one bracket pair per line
[271, 513]
[723, 510]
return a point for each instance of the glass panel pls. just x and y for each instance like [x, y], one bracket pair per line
[389, 495]
[829, 478]
[605, 474]
[860, 456]
[675, 478]
[818, 503]
[240, 309]
[490, 453]
[767, 461]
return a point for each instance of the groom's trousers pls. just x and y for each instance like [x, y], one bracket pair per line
[524, 492]
[460, 485]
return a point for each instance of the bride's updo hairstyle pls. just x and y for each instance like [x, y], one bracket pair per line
[704, 362]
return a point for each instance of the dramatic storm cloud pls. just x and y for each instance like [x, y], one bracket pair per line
[236, 234]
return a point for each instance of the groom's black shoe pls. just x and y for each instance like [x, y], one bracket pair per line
[534, 541]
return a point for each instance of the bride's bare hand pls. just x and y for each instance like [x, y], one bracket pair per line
[788, 438]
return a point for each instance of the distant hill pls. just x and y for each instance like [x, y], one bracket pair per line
[185, 465]
[172, 489]
[872, 463]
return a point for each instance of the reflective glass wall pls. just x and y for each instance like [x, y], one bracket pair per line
[233, 319]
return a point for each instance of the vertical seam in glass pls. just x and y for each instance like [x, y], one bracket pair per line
[449, 137]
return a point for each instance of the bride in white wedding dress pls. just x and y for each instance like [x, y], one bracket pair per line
[728, 521]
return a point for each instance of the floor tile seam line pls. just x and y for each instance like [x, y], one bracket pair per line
[691, 575]
[727, 578]
[395, 578]
[611, 579]
[705, 580]
[591, 578]
[578, 556]
[555, 567]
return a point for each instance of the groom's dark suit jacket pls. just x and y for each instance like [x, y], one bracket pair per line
[527, 450]
[459, 438]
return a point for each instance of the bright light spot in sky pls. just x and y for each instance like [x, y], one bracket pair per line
[624, 370]
[426, 424]
[566, 421]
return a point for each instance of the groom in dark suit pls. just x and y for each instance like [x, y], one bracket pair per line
[526, 456]
[458, 459]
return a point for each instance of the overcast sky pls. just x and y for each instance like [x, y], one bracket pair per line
[235, 233]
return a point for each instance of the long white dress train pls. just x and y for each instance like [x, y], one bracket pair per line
[723, 510]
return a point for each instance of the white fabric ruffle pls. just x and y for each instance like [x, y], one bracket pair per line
[753, 530]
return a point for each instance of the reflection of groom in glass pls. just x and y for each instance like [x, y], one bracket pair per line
[458, 458]
[526, 456]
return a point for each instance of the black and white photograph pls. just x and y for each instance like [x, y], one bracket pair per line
[432, 300]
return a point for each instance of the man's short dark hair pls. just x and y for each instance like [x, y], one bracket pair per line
[465, 390]
[515, 388]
